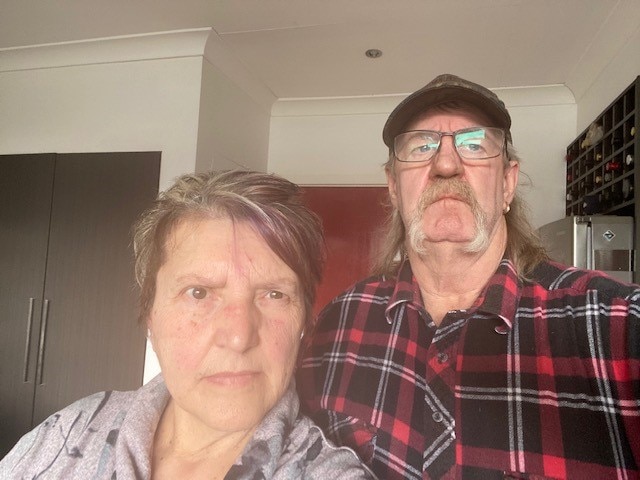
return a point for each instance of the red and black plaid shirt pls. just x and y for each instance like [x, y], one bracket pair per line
[537, 379]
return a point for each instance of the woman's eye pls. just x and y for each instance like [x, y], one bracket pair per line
[197, 292]
[275, 295]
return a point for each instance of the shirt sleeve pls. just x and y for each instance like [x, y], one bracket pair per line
[349, 431]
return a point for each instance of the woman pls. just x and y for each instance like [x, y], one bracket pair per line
[228, 264]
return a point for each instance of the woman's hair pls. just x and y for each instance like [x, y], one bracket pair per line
[270, 204]
[524, 246]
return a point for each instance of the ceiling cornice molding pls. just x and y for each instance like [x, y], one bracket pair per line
[383, 104]
[536, 96]
[159, 45]
[200, 42]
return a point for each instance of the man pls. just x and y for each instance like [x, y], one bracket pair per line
[470, 354]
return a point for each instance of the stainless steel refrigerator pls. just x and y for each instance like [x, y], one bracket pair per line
[598, 242]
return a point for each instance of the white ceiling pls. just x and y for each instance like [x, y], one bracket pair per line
[315, 48]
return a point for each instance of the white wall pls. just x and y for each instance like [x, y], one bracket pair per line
[543, 124]
[333, 141]
[148, 105]
[617, 75]
[338, 142]
[233, 128]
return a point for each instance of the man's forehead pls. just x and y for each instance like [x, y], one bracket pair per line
[469, 112]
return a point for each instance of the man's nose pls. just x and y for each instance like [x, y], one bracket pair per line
[447, 161]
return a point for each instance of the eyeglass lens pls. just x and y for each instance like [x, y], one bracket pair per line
[470, 143]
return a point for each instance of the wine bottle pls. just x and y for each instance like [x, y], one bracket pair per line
[591, 204]
[616, 140]
[588, 185]
[627, 188]
[616, 193]
[613, 166]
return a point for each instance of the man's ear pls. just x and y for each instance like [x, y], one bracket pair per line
[392, 185]
[511, 175]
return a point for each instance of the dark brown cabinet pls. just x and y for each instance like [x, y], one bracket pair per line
[601, 167]
[68, 302]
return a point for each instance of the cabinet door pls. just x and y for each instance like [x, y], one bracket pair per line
[93, 340]
[26, 183]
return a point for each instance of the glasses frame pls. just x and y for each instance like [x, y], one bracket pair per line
[452, 135]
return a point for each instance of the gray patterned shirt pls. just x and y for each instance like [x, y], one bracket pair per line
[109, 435]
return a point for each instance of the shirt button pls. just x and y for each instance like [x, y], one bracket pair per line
[437, 417]
[501, 330]
[443, 357]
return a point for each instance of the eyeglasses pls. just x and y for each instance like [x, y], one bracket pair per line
[475, 143]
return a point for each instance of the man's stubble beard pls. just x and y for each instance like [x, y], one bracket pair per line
[415, 233]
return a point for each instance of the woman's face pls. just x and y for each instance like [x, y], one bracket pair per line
[225, 323]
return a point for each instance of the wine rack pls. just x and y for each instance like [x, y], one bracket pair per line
[602, 177]
[602, 174]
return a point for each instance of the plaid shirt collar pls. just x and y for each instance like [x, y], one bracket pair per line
[499, 297]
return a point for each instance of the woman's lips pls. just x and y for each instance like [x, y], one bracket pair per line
[233, 379]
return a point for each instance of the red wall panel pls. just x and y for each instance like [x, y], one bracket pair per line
[352, 218]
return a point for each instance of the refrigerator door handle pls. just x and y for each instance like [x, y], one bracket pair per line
[590, 261]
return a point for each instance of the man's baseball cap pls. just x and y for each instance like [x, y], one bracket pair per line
[445, 88]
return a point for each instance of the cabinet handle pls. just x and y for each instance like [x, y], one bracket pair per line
[27, 343]
[43, 334]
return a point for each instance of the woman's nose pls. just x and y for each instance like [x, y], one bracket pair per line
[237, 325]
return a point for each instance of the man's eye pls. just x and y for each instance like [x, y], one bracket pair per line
[472, 147]
[197, 292]
[424, 148]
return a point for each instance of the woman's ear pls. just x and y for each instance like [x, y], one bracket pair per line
[150, 334]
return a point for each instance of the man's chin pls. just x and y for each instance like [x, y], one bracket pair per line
[424, 244]
[454, 228]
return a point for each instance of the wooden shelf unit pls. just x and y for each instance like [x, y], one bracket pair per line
[604, 178]
[600, 178]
